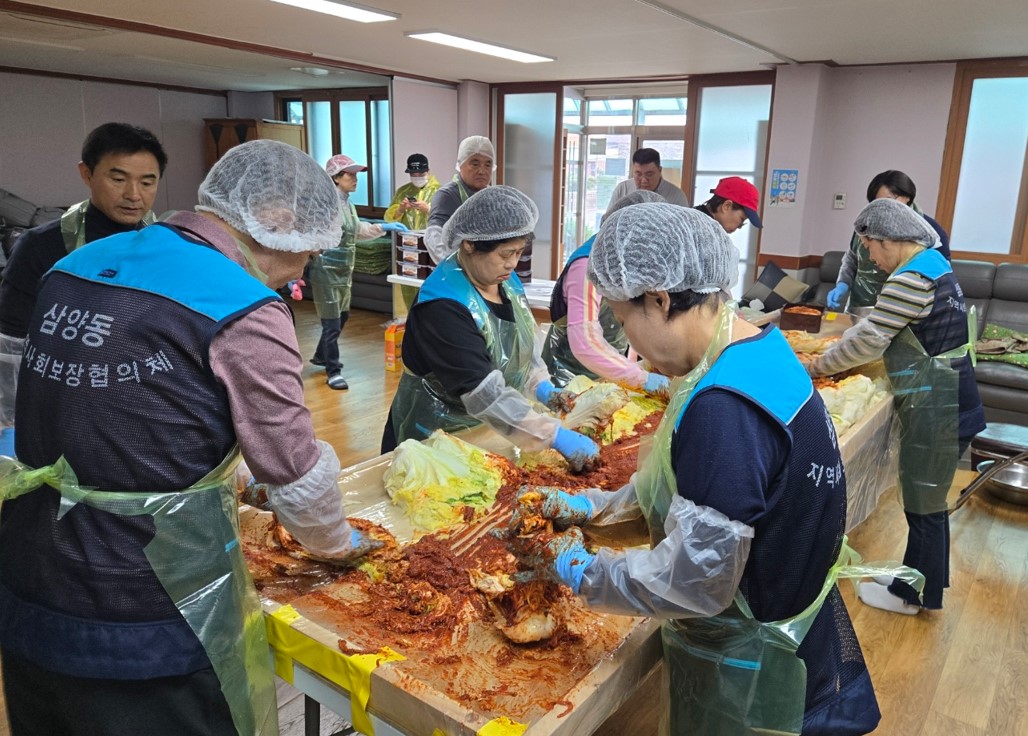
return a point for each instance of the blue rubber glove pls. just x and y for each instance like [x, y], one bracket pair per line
[657, 384]
[390, 227]
[544, 391]
[7, 441]
[555, 399]
[563, 508]
[581, 452]
[563, 559]
[837, 295]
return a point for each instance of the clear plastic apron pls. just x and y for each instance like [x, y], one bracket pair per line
[559, 357]
[331, 272]
[926, 393]
[422, 405]
[195, 554]
[729, 673]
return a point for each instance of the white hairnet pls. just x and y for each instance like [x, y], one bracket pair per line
[276, 194]
[654, 247]
[889, 219]
[639, 196]
[475, 144]
[494, 213]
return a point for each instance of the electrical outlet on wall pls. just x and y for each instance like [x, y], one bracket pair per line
[839, 201]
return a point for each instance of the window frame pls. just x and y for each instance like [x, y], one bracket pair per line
[953, 155]
[335, 96]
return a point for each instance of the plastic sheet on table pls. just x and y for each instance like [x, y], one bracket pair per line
[870, 459]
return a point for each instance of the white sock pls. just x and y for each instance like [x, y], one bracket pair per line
[878, 596]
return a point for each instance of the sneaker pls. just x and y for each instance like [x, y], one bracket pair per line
[337, 382]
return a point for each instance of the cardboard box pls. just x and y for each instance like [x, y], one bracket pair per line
[394, 346]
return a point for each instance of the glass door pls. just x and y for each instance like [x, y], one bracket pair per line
[731, 140]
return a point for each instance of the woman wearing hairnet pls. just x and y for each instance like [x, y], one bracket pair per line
[584, 338]
[743, 492]
[919, 324]
[476, 162]
[331, 272]
[859, 278]
[469, 350]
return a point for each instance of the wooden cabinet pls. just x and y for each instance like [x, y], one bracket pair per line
[221, 134]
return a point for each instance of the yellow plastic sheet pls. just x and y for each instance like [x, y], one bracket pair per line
[351, 672]
[502, 726]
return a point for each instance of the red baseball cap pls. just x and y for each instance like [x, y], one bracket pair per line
[742, 193]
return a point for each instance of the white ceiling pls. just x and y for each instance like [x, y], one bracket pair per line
[591, 39]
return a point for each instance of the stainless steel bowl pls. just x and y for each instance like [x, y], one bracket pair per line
[1009, 484]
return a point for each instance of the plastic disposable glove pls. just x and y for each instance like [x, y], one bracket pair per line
[563, 559]
[360, 545]
[393, 227]
[837, 295]
[555, 399]
[581, 452]
[563, 508]
[657, 384]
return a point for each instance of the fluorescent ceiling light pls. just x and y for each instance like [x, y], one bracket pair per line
[349, 11]
[447, 39]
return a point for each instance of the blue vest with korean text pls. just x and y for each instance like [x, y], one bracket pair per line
[116, 378]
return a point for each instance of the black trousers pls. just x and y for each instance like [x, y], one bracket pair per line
[43, 703]
[328, 345]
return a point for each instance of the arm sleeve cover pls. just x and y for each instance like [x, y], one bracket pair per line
[311, 507]
[368, 231]
[613, 507]
[510, 414]
[860, 344]
[848, 268]
[10, 362]
[694, 572]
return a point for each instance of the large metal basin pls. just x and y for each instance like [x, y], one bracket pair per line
[1009, 484]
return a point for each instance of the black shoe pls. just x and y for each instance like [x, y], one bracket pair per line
[337, 382]
[317, 361]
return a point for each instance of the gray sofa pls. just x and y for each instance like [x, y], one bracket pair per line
[1000, 296]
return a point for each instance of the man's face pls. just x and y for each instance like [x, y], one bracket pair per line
[477, 171]
[123, 185]
[646, 176]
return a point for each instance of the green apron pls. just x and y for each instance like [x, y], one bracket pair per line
[926, 395]
[331, 272]
[559, 357]
[73, 225]
[422, 405]
[195, 553]
[729, 674]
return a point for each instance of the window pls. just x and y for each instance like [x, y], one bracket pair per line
[354, 122]
[983, 197]
[613, 130]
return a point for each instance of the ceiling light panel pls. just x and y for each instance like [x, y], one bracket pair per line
[347, 11]
[481, 47]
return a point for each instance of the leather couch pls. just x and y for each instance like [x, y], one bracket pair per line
[1000, 297]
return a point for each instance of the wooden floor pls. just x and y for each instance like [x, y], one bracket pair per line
[962, 671]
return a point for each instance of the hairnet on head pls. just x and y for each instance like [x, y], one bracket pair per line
[639, 196]
[276, 194]
[472, 145]
[494, 213]
[661, 247]
[888, 219]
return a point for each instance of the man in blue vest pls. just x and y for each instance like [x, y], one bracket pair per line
[153, 361]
